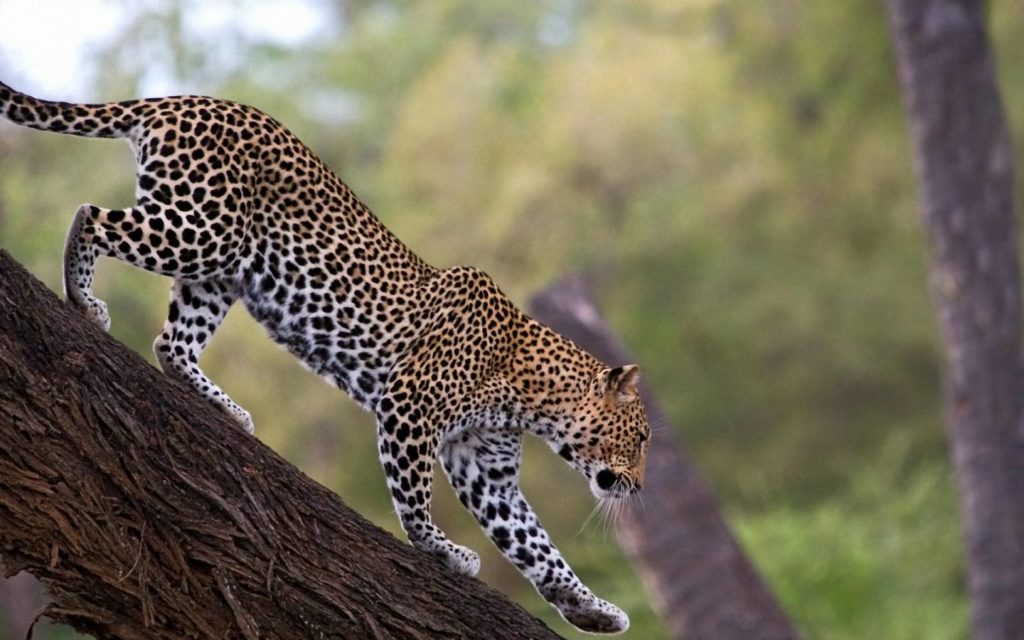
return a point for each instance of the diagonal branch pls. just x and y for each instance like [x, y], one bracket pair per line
[147, 514]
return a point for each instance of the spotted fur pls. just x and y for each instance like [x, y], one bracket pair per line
[232, 206]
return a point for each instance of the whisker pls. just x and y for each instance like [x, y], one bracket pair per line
[639, 500]
[620, 510]
[607, 512]
[617, 506]
[590, 516]
[659, 425]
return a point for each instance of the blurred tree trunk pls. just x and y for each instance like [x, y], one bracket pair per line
[964, 160]
[20, 599]
[148, 514]
[698, 577]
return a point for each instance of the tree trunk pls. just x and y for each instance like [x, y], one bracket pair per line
[699, 579]
[148, 514]
[964, 160]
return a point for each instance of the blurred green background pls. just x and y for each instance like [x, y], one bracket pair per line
[734, 177]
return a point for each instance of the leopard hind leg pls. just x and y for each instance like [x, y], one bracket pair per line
[81, 248]
[156, 237]
[136, 235]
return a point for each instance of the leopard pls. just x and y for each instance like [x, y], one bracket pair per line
[232, 206]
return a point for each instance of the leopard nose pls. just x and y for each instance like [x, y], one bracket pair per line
[606, 478]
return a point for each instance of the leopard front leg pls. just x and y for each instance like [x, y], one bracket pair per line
[407, 451]
[195, 311]
[483, 468]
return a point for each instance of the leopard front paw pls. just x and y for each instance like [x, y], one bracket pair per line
[593, 615]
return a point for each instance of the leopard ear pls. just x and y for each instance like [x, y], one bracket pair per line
[621, 383]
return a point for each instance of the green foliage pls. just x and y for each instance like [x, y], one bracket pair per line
[734, 177]
[880, 560]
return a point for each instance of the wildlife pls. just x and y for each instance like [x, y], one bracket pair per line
[233, 207]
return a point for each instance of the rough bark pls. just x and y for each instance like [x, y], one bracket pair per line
[964, 161]
[698, 578]
[148, 514]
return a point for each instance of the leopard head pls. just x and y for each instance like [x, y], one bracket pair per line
[608, 436]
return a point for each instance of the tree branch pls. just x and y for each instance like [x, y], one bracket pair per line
[148, 514]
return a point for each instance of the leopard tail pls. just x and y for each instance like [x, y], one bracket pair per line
[111, 120]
